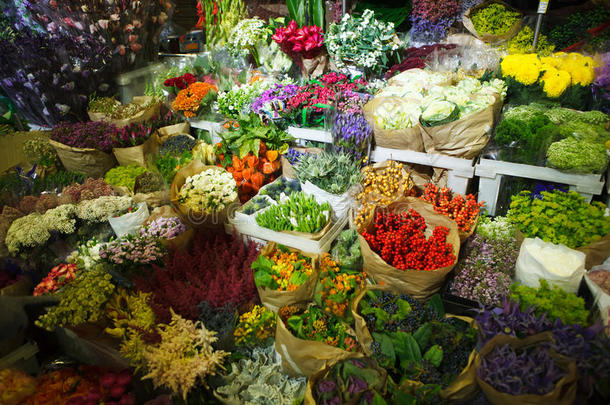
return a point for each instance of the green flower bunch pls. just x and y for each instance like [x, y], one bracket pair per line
[236, 102]
[82, 300]
[577, 156]
[554, 302]
[522, 43]
[168, 165]
[299, 213]
[124, 176]
[560, 218]
[494, 19]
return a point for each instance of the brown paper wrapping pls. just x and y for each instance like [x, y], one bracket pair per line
[156, 199]
[92, 162]
[314, 67]
[490, 37]
[287, 168]
[21, 287]
[407, 138]
[463, 138]
[274, 300]
[171, 130]
[565, 389]
[196, 219]
[11, 147]
[313, 236]
[461, 388]
[596, 252]
[306, 357]
[143, 116]
[137, 155]
[418, 284]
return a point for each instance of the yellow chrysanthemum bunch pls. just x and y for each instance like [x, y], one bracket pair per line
[523, 68]
[559, 71]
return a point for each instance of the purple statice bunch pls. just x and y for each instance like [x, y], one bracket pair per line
[522, 371]
[132, 135]
[164, 228]
[430, 32]
[485, 275]
[601, 85]
[51, 76]
[273, 101]
[94, 134]
[133, 250]
[351, 134]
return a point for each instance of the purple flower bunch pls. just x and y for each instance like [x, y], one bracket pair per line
[132, 135]
[133, 250]
[273, 101]
[601, 85]
[351, 134]
[94, 134]
[164, 228]
[50, 76]
[293, 156]
[349, 101]
[520, 372]
[349, 379]
[431, 19]
[485, 275]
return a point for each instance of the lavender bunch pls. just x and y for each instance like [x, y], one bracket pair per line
[273, 100]
[485, 275]
[164, 228]
[351, 135]
[293, 156]
[133, 250]
[95, 134]
[50, 76]
[132, 135]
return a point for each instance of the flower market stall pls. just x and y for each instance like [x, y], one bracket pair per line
[316, 202]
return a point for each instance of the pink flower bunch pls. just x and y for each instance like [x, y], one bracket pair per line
[133, 250]
[307, 40]
[164, 228]
[332, 84]
[434, 10]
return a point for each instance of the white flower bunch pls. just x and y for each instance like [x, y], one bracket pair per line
[364, 40]
[209, 191]
[237, 101]
[245, 35]
[102, 208]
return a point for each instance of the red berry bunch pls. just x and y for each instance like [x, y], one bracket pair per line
[463, 210]
[400, 241]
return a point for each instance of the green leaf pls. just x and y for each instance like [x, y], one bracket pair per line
[434, 355]
[437, 304]
[378, 400]
[296, 324]
[262, 262]
[316, 12]
[298, 278]
[422, 335]
[296, 9]
[386, 346]
[406, 348]
[263, 279]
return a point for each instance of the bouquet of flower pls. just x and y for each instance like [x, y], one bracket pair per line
[95, 135]
[163, 228]
[180, 82]
[245, 38]
[313, 323]
[132, 135]
[300, 213]
[282, 269]
[601, 85]
[337, 286]
[57, 278]
[195, 100]
[300, 44]
[133, 250]
[272, 102]
[124, 176]
[335, 173]
[463, 210]
[208, 192]
[431, 19]
[364, 41]
[255, 327]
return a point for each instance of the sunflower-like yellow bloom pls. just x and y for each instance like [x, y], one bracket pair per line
[523, 68]
[555, 82]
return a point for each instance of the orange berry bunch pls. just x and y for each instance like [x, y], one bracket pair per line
[337, 286]
[189, 100]
[463, 210]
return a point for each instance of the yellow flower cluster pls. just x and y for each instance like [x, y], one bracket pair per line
[255, 326]
[554, 73]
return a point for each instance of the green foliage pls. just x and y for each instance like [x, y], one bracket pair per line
[554, 302]
[346, 250]
[385, 13]
[333, 172]
[522, 43]
[494, 19]
[560, 218]
[577, 156]
[576, 25]
[307, 12]
[169, 165]
[124, 176]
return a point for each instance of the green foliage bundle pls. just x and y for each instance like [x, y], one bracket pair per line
[494, 19]
[332, 172]
[168, 165]
[552, 301]
[559, 217]
[124, 176]
[578, 156]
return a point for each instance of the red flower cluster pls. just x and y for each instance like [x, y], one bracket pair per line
[463, 211]
[400, 241]
[181, 82]
[323, 90]
[57, 278]
[307, 40]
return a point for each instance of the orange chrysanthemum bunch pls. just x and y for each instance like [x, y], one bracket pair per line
[189, 100]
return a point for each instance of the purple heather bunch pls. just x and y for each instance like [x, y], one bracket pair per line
[485, 275]
[351, 135]
[132, 135]
[95, 134]
[164, 228]
[134, 250]
[274, 99]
